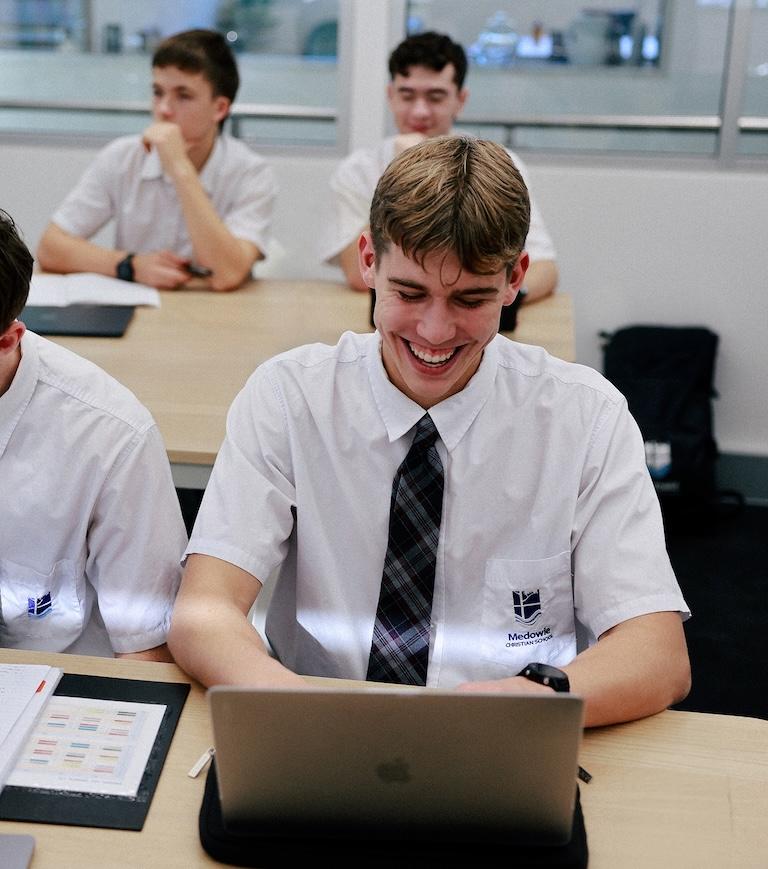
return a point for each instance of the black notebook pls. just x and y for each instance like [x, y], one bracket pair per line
[98, 321]
[99, 810]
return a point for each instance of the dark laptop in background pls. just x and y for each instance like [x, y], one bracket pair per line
[97, 321]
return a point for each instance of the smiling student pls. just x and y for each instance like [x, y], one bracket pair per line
[434, 503]
[187, 199]
[426, 94]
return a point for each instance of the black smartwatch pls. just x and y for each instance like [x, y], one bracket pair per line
[124, 269]
[544, 674]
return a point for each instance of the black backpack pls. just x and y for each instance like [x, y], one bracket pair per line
[666, 374]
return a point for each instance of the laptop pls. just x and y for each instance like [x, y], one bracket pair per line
[411, 764]
[16, 850]
[97, 321]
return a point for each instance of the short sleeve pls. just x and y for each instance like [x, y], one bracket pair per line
[352, 186]
[247, 513]
[620, 564]
[135, 541]
[249, 216]
[93, 201]
[539, 243]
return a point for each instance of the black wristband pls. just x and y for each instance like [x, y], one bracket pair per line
[545, 674]
[124, 269]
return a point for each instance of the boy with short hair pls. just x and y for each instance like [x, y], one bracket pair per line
[90, 527]
[187, 199]
[426, 94]
[434, 503]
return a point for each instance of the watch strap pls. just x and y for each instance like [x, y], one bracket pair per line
[124, 270]
[546, 674]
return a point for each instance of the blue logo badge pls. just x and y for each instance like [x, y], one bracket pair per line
[37, 607]
[526, 606]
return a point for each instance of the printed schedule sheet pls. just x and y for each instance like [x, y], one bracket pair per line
[89, 746]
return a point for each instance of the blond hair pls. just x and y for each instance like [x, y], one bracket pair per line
[453, 195]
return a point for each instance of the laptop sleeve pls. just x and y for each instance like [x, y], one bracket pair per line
[255, 848]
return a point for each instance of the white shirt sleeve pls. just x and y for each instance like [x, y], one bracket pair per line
[135, 541]
[352, 187]
[93, 200]
[620, 564]
[249, 216]
[247, 513]
[539, 243]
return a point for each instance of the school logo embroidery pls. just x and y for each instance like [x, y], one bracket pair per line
[526, 606]
[37, 607]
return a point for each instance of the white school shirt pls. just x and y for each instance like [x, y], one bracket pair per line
[127, 184]
[354, 182]
[550, 524]
[90, 527]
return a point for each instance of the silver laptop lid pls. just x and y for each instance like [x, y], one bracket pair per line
[328, 761]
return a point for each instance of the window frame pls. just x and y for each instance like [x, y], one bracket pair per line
[365, 39]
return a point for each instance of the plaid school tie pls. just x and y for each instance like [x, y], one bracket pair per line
[400, 647]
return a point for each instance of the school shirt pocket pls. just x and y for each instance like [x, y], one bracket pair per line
[527, 614]
[40, 611]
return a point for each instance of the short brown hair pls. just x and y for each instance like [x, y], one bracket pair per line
[453, 195]
[15, 271]
[203, 51]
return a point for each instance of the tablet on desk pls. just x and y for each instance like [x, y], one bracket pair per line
[97, 321]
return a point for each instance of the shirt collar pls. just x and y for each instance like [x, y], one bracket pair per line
[153, 168]
[451, 417]
[14, 401]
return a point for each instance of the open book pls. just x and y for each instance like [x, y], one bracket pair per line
[24, 691]
[85, 288]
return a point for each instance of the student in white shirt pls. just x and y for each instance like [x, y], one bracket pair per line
[545, 492]
[186, 198]
[426, 94]
[90, 528]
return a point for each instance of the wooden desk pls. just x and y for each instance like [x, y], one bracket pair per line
[188, 359]
[679, 790]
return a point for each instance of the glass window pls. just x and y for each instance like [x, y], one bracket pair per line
[642, 77]
[92, 55]
[753, 138]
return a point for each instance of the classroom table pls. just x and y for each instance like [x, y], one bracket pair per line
[678, 789]
[187, 359]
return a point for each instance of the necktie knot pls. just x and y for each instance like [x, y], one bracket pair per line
[426, 433]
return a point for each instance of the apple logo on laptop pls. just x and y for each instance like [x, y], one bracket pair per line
[395, 770]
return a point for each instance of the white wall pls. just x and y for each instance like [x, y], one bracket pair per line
[636, 245]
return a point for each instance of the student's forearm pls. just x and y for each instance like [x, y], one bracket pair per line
[218, 646]
[540, 280]
[636, 669]
[229, 258]
[59, 251]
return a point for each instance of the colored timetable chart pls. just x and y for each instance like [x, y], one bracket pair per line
[89, 746]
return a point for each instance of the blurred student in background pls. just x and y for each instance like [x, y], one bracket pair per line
[426, 94]
[187, 199]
